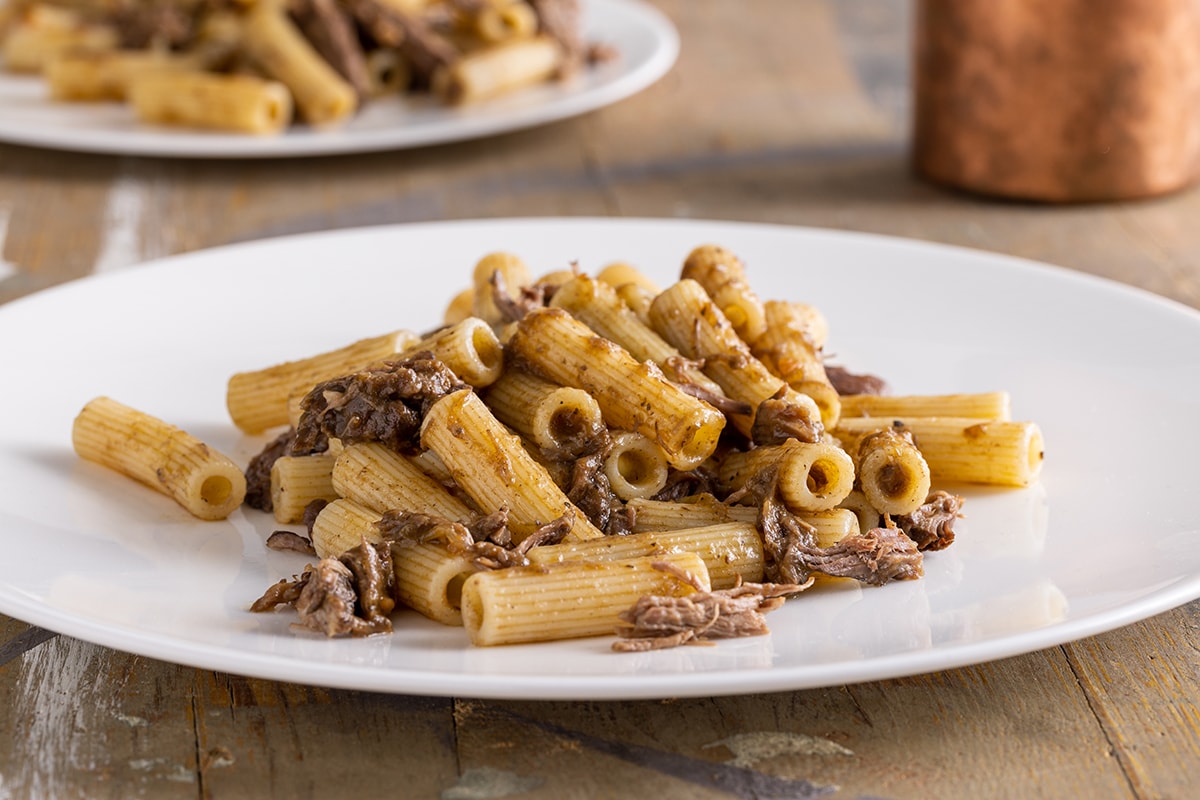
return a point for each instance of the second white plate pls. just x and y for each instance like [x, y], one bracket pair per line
[645, 39]
[1107, 537]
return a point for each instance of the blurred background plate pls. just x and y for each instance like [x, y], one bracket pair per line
[645, 39]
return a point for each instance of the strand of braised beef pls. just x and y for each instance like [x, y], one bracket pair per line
[348, 596]
[142, 24]
[676, 368]
[792, 555]
[421, 46]
[528, 297]
[776, 420]
[931, 526]
[847, 382]
[486, 541]
[690, 483]
[560, 19]
[384, 403]
[328, 27]
[258, 471]
[655, 622]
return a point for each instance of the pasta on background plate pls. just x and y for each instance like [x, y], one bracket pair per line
[258, 67]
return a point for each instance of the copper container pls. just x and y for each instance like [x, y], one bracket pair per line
[1058, 100]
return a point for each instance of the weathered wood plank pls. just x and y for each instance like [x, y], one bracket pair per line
[1143, 682]
[261, 738]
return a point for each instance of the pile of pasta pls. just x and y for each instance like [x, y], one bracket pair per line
[682, 398]
[257, 66]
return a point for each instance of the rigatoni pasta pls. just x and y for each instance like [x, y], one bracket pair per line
[166, 458]
[554, 464]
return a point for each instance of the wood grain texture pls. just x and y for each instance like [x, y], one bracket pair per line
[795, 114]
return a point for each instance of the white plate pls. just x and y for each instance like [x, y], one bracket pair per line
[1107, 537]
[646, 40]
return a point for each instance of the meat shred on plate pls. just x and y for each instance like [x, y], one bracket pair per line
[656, 622]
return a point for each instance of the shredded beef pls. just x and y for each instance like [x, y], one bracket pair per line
[783, 533]
[931, 526]
[384, 403]
[676, 369]
[404, 528]
[258, 472]
[591, 492]
[423, 48]
[528, 298]
[792, 554]
[687, 483]
[776, 420]
[846, 382]
[289, 542]
[873, 557]
[492, 528]
[559, 19]
[310, 513]
[325, 598]
[656, 622]
[374, 581]
[329, 28]
[140, 25]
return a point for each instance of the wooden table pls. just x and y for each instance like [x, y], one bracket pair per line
[794, 113]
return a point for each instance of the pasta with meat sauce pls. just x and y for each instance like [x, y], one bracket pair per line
[667, 481]
[259, 66]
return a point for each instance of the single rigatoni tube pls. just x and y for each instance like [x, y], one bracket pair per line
[27, 48]
[892, 472]
[1000, 453]
[514, 273]
[619, 273]
[635, 466]
[978, 405]
[633, 395]
[723, 276]
[429, 579]
[387, 72]
[278, 47]
[567, 600]
[732, 551]
[560, 420]
[784, 349]
[106, 75]
[461, 306]
[812, 477]
[813, 323]
[856, 503]
[490, 464]
[501, 22]
[166, 458]
[662, 515]
[343, 525]
[469, 348]
[381, 479]
[297, 481]
[597, 305]
[638, 298]
[258, 399]
[497, 69]
[685, 316]
[236, 103]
